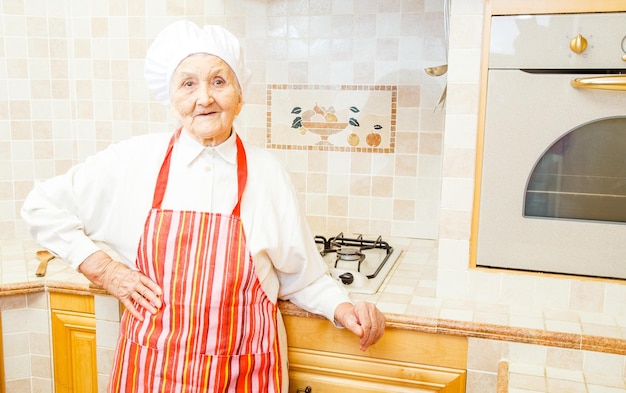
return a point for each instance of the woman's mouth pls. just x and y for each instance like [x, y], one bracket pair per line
[205, 114]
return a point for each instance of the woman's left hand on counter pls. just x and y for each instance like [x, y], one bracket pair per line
[362, 319]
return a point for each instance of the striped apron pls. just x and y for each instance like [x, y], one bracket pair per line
[217, 329]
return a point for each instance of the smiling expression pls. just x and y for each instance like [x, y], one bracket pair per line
[205, 97]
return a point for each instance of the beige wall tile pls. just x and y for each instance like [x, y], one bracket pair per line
[42, 385]
[409, 96]
[455, 224]
[17, 367]
[40, 343]
[486, 354]
[6, 190]
[18, 385]
[406, 165]
[382, 186]
[360, 185]
[381, 209]
[17, 68]
[317, 183]
[480, 382]
[337, 206]
[41, 367]
[317, 204]
[38, 301]
[408, 142]
[564, 358]
[38, 47]
[587, 296]
[339, 184]
[16, 344]
[12, 303]
[360, 163]
[19, 110]
[404, 210]
[430, 143]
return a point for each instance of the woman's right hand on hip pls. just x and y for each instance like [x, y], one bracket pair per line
[131, 287]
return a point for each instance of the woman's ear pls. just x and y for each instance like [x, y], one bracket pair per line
[239, 104]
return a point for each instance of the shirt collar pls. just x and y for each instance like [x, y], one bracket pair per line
[190, 149]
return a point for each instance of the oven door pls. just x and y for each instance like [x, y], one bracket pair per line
[527, 115]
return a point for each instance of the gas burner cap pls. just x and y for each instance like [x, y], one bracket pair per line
[347, 253]
[347, 278]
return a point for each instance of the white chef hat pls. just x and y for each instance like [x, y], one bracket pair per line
[183, 38]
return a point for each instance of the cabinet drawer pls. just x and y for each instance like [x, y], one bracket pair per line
[325, 372]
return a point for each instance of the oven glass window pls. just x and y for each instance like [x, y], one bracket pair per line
[582, 175]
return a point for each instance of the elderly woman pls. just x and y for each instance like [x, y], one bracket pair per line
[207, 231]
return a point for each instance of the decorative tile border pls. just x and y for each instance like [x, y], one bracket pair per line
[354, 118]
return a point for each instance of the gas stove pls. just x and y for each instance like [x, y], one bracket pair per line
[360, 264]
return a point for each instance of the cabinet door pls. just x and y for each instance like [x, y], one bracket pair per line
[74, 351]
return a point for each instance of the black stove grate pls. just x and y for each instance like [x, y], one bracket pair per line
[340, 242]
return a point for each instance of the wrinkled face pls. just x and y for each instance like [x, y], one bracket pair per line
[206, 97]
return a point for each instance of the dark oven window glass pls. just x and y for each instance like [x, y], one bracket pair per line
[582, 175]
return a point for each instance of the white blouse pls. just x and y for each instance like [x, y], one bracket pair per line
[107, 198]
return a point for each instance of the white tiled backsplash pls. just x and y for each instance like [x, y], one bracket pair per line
[71, 82]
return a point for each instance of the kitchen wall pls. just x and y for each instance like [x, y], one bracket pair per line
[71, 82]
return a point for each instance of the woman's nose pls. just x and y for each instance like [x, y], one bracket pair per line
[205, 94]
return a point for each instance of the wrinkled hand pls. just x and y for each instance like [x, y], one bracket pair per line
[129, 286]
[362, 319]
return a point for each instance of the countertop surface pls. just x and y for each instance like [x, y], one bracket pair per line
[407, 297]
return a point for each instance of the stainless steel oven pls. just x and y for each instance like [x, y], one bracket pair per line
[553, 171]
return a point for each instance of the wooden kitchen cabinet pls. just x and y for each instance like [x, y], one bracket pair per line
[73, 343]
[325, 359]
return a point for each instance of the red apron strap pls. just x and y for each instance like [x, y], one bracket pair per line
[161, 184]
[242, 174]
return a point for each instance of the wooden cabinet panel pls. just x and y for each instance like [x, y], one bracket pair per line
[74, 344]
[325, 359]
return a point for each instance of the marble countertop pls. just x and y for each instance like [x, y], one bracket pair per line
[407, 297]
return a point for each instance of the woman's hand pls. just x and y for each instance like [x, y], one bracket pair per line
[129, 286]
[362, 319]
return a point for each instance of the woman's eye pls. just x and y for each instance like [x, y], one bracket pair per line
[188, 84]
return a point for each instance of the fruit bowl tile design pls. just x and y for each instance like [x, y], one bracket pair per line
[358, 118]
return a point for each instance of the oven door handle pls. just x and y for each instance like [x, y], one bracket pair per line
[614, 82]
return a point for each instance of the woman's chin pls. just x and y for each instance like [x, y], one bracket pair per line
[209, 136]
